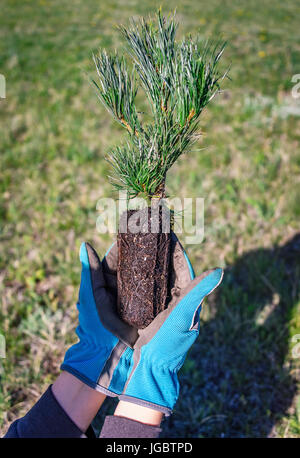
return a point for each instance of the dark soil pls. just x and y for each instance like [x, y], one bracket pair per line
[143, 266]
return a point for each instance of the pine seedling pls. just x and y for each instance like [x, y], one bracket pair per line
[179, 79]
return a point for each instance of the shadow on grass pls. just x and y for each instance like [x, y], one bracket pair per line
[236, 381]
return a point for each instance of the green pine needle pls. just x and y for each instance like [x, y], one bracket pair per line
[179, 80]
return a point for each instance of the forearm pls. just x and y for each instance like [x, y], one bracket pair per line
[66, 409]
[80, 402]
[132, 421]
[138, 413]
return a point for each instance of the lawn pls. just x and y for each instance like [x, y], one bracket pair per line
[240, 378]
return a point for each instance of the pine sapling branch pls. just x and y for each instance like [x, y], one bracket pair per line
[179, 80]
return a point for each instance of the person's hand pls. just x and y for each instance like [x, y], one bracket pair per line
[162, 346]
[103, 356]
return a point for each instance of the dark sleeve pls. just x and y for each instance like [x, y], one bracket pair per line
[117, 427]
[46, 419]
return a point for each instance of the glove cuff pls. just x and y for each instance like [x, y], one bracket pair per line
[87, 381]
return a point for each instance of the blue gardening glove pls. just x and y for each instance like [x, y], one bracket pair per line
[162, 346]
[102, 357]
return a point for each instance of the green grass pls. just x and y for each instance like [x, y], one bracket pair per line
[240, 379]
